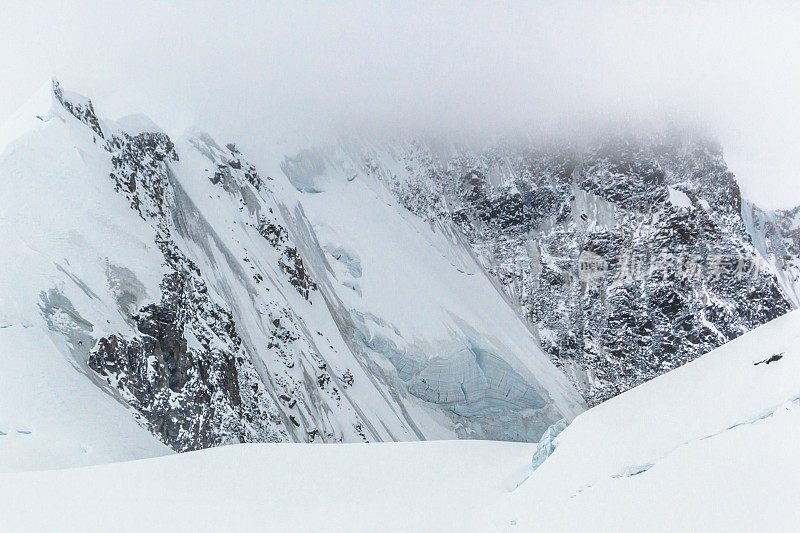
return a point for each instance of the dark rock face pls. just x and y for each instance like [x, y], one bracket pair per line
[82, 111]
[139, 172]
[192, 395]
[274, 233]
[292, 264]
[626, 174]
[290, 261]
[677, 281]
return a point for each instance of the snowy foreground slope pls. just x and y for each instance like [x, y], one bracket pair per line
[166, 292]
[711, 446]
[415, 486]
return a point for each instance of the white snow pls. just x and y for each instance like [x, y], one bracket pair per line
[136, 124]
[679, 198]
[429, 486]
[711, 446]
[30, 116]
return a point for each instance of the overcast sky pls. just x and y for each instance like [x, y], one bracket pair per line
[250, 69]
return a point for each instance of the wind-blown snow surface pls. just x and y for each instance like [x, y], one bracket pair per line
[171, 286]
[711, 446]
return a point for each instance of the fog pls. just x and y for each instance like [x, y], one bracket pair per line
[255, 70]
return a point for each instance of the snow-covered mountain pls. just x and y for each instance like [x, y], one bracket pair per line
[661, 216]
[170, 286]
[166, 294]
[710, 446]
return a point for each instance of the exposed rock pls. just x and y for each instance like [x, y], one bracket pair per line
[187, 373]
[531, 212]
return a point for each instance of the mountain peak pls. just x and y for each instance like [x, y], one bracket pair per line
[78, 106]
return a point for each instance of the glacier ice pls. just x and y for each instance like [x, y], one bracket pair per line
[546, 446]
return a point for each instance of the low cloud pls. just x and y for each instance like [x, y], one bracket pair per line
[253, 70]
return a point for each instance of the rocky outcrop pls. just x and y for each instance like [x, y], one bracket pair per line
[79, 107]
[187, 373]
[679, 278]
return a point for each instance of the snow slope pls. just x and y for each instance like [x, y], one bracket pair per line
[710, 446]
[430, 486]
[417, 297]
[61, 235]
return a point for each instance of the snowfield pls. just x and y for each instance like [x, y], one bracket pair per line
[430, 486]
[711, 446]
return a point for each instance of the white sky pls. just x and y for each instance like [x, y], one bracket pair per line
[250, 69]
